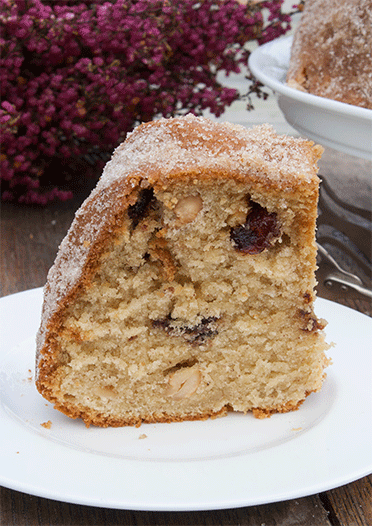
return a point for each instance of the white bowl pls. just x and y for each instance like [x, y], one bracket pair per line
[341, 126]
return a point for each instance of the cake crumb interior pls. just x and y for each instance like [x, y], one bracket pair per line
[178, 322]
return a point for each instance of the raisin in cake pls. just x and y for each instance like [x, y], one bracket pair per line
[185, 285]
[331, 53]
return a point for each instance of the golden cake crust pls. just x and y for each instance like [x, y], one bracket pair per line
[96, 419]
[331, 54]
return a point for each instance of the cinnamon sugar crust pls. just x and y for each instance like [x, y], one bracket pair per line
[331, 53]
[153, 313]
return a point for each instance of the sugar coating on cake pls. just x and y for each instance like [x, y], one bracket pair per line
[331, 54]
[184, 288]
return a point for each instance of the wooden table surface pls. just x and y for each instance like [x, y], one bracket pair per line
[29, 240]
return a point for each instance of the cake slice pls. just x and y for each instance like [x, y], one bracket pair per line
[184, 288]
[331, 54]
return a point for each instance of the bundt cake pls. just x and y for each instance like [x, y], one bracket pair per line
[331, 54]
[184, 288]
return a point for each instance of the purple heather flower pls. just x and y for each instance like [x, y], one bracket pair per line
[77, 76]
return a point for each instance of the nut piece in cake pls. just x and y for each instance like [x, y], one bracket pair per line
[183, 383]
[188, 208]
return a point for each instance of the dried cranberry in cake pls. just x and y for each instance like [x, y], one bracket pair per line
[201, 332]
[311, 322]
[197, 334]
[139, 210]
[258, 231]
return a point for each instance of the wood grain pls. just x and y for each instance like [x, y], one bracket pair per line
[29, 240]
[350, 505]
[34, 511]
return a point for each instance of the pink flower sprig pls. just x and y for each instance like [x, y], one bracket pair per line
[76, 76]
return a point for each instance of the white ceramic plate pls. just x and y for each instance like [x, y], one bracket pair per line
[331, 123]
[224, 463]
